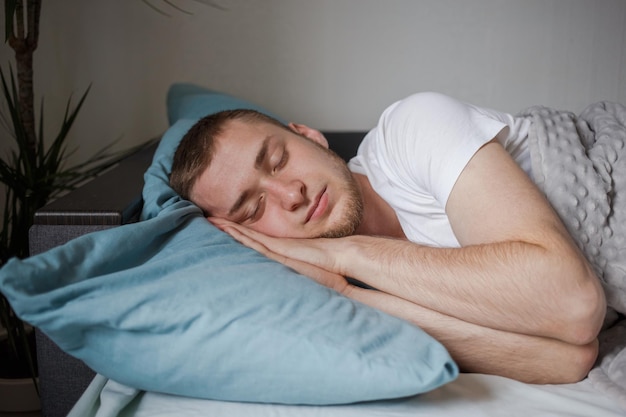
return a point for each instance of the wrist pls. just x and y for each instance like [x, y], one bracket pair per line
[358, 257]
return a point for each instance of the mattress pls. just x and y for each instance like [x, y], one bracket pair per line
[470, 395]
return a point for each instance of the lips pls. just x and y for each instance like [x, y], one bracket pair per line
[318, 208]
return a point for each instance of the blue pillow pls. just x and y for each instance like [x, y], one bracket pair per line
[171, 304]
[190, 101]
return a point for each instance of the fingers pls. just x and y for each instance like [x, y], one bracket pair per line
[238, 234]
[310, 251]
[238, 231]
[248, 237]
[219, 223]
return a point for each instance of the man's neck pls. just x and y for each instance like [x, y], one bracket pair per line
[379, 218]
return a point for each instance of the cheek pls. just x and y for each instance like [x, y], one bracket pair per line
[274, 223]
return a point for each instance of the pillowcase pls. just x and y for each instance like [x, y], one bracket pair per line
[190, 101]
[171, 304]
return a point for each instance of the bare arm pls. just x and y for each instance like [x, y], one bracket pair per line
[517, 270]
[475, 348]
[530, 359]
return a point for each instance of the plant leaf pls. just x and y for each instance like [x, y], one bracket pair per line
[171, 4]
[156, 9]
[176, 7]
[55, 154]
[213, 4]
[9, 15]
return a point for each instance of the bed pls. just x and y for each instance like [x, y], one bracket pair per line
[108, 297]
[470, 395]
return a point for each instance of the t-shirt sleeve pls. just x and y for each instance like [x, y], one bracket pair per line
[429, 138]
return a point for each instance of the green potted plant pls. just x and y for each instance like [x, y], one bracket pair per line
[32, 173]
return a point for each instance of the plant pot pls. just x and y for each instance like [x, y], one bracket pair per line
[18, 396]
[17, 388]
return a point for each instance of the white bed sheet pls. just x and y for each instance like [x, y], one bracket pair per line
[471, 395]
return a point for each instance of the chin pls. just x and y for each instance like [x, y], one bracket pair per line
[350, 215]
[346, 226]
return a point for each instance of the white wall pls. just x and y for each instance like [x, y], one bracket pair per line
[334, 64]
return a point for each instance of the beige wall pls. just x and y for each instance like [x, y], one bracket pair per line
[334, 64]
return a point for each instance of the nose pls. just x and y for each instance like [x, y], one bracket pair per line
[290, 194]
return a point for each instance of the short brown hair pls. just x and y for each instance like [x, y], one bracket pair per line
[197, 147]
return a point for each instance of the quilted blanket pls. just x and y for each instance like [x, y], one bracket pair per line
[579, 162]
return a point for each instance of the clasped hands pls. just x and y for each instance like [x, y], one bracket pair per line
[309, 257]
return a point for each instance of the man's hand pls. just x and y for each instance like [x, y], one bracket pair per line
[475, 348]
[283, 250]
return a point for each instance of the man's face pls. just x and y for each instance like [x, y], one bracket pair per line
[277, 182]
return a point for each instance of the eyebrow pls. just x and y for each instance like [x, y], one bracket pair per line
[258, 163]
[260, 157]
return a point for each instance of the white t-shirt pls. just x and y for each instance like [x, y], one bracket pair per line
[420, 146]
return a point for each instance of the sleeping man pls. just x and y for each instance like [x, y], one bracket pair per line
[437, 212]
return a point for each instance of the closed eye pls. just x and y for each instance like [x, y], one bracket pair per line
[257, 212]
[282, 162]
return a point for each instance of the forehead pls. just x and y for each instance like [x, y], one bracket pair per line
[232, 165]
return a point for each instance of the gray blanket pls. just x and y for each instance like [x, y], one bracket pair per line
[579, 162]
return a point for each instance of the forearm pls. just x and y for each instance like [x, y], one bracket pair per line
[511, 286]
[475, 348]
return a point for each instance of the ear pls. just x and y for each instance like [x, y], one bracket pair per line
[310, 133]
